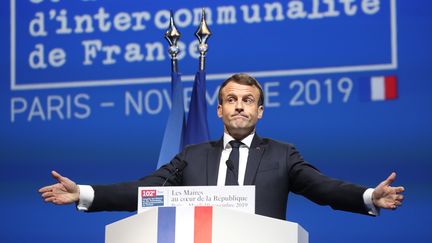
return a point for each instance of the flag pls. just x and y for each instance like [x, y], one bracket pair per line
[185, 224]
[379, 88]
[197, 127]
[172, 142]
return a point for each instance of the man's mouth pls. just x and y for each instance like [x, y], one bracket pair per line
[239, 116]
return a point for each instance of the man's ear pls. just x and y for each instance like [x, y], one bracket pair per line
[260, 111]
[219, 111]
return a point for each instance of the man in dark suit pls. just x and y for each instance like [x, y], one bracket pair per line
[240, 157]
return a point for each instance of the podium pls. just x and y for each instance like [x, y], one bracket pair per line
[202, 225]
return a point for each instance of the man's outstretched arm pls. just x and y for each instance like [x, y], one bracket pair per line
[114, 197]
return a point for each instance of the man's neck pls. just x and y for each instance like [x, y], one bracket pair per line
[239, 136]
[247, 141]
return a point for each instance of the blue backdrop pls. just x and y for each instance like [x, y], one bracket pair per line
[84, 90]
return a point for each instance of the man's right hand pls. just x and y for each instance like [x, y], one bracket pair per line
[63, 192]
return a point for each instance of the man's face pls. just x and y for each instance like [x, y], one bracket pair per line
[239, 109]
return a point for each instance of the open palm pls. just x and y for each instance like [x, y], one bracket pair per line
[386, 196]
[63, 192]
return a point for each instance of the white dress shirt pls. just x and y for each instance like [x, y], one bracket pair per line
[243, 156]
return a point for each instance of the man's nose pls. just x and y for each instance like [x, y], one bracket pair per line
[239, 105]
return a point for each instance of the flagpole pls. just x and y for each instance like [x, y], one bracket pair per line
[197, 130]
[172, 142]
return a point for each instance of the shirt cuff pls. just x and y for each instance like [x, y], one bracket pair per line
[85, 198]
[367, 198]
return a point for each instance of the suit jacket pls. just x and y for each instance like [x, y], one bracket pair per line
[274, 168]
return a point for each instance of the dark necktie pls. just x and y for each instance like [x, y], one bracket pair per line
[233, 164]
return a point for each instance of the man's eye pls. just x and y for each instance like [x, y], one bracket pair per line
[231, 100]
[249, 101]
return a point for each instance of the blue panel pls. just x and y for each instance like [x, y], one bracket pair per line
[93, 104]
[166, 225]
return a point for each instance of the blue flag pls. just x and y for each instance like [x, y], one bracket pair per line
[173, 137]
[197, 127]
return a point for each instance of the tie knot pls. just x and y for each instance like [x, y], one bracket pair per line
[235, 143]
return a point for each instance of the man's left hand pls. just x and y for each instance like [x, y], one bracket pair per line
[386, 196]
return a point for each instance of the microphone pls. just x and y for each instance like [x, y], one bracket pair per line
[177, 169]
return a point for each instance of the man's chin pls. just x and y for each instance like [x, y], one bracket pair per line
[239, 126]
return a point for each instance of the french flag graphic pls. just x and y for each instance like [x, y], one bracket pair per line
[379, 88]
[185, 224]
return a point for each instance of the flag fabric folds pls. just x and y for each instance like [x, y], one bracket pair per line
[178, 133]
[174, 132]
[197, 130]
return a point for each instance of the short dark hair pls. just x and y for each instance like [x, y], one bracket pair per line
[244, 79]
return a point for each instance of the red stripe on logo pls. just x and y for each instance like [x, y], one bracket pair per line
[390, 87]
[203, 224]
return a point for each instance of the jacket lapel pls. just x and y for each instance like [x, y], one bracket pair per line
[256, 152]
[213, 161]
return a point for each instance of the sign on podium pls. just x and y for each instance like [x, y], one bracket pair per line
[235, 197]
